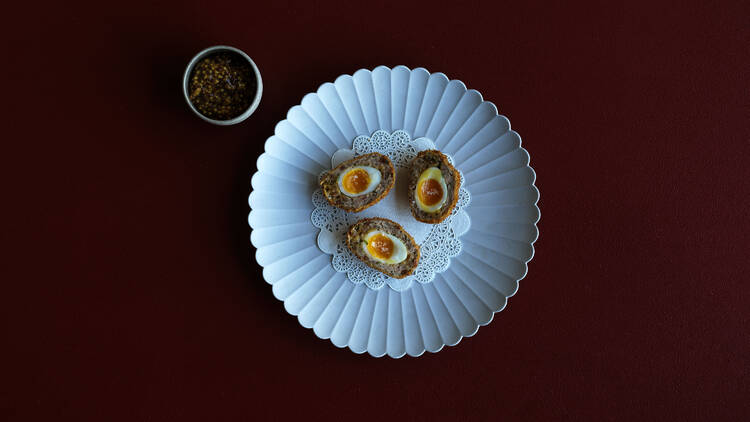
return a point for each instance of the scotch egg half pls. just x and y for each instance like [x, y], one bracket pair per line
[431, 192]
[360, 180]
[384, 247]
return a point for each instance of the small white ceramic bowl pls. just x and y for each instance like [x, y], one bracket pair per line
[258, 80]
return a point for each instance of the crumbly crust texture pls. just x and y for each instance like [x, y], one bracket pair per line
[355, 237]
[329, 182]
[425, 160]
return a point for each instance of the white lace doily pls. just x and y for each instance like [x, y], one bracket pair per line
[438, 242]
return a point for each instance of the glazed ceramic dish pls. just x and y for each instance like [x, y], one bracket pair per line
[219, 49]
[502, 211]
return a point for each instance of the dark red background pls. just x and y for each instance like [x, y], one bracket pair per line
[129, 287]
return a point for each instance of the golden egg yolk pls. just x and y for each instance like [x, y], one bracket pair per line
[380, 246]
[356, 180]
[430, 192]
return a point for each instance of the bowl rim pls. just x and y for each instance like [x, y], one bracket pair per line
[211, 50]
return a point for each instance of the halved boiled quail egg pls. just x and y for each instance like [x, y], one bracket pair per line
[360, 180]
[384, 247]
[431, 193]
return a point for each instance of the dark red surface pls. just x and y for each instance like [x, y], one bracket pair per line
[130, 291]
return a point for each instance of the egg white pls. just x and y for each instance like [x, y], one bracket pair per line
[431, 173]
[399, 249]
[372, 172]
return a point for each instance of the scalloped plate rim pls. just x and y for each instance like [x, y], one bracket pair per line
[534, 223]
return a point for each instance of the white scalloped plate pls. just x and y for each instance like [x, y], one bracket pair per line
[496, 248]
